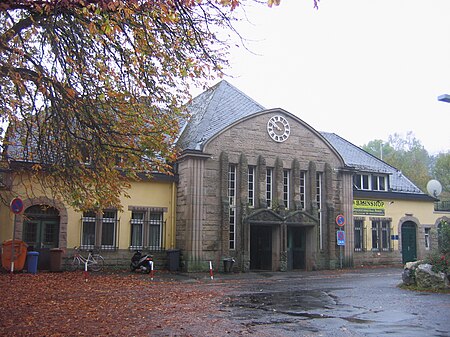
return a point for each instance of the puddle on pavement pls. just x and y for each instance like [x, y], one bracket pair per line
[286, 301]
[304, 304]
[303, 310]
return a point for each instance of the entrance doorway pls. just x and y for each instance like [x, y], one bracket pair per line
[409, 243]
[41, 231]
[261, 247]
[296, 248]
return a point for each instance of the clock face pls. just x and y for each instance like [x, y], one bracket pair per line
[278, 128]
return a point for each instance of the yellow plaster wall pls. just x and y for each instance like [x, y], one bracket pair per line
[6, 223]
[143, 193]
[399, 211]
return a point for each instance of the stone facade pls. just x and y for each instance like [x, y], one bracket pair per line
[292, 238]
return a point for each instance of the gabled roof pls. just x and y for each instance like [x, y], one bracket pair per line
[360, 160]
[212, 111]
[223, 104]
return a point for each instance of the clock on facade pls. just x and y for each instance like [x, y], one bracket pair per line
[278, 128]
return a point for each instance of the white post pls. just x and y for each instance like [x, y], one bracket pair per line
[211, 270]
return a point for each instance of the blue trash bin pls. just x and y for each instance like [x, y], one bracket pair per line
[32, 262]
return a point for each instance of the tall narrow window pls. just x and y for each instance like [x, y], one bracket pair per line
[109, 226]
[88, 230]
[286, 192]
[232, 202]
[269, 181]
[385, 235]
[155, 225]
[359, 234]
[319, 206]
[251, 186]
[137, 230]
[302, 189]
[232, 232]
[381, 235]
[427, 238]
[374, 236]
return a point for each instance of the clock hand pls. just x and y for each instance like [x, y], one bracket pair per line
[278, 128]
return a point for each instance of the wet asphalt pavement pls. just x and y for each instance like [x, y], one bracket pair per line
[359, 302]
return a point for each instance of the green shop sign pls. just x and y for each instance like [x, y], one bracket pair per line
[368, 207]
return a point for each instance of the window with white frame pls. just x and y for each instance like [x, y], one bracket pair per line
[269, 186]
[302, 189]
[251, 186]
[427, 238]
[379, 183]
[362, 181]
[147, 228]
[232, 207]
[286, 187]
[370, 182]
[319, 206]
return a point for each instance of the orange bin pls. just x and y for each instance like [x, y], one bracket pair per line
[20, 254]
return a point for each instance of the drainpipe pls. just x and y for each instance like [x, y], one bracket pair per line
[173, 216]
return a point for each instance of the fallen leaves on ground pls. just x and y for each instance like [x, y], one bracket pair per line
[119, 304]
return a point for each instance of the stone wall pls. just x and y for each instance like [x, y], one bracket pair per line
[247, 143]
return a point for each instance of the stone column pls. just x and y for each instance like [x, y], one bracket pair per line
[243, 243]
[261, 177]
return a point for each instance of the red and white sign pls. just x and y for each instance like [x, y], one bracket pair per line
[340, 220]
[16, 205]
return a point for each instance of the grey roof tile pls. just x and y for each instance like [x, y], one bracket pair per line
[361, 160]
[214, 110]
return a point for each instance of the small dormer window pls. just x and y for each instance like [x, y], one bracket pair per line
[370, 182]
[361, 181]
[379, 183]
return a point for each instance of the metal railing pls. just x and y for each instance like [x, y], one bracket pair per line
[442, 206]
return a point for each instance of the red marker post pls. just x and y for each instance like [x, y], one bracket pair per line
[211, 271]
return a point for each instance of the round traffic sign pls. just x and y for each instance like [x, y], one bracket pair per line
[340, 220]
[16, 205]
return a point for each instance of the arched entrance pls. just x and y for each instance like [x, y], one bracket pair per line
[41, 227]
[409, 242]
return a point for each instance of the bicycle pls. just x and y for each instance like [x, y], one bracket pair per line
[95, 261]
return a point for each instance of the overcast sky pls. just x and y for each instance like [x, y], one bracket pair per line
[363, 69]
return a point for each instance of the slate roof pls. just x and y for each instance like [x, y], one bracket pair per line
[223, 104]
[361, 160]
[212, 111]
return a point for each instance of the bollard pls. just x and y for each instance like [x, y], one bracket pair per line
[211, 271]
[151, 270]
[85, 272]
